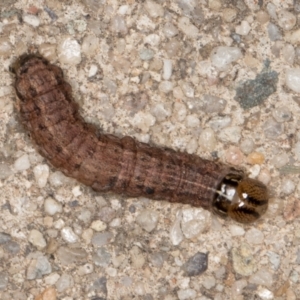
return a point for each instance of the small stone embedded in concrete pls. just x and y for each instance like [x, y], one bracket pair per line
[68, 255]
[38, 267]
[52, 207]
[147, 219]
[68, 235]
[244, 262]
[64, 282]
[254, 92]
[37, 239]
[196, 265]
[101, 238]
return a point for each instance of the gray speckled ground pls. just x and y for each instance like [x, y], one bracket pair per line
[152, 70]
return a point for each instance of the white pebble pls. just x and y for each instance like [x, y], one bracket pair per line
[167, 70]
[143, 121]
[166, 86]
[221, 57]
[219, 122]
[154, 9]
[147, 219]
[37, 239]
[254, 236]
[170, 30]
[187, 28]
[207, 140]
[286, 20]
[288, 53]
[85, 269]
[152, 39]
[292, 79]
[68, 235]
[243, 29]
[194, 222]
[230, 134]
[69, 51]
[22, 163]
[98, 225]
[192, 121]
[265, 294]
[57, 179]
[186, 294]
[93, 70]
[180, 111]
[236, 230]
[31, 20]
[288, 186]
[176, 235]
[52, 207]
[41, 174]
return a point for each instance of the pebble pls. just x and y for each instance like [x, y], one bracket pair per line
[118, 25]
[160, 112]
[48, 294]
[170, 30]
[271, 9]
[255, 158]
[187, 27]
[274, 32]
[282, 159]
[147, 219]
[254, 236]
[289, 53]
[154, 9]
[31, 20]
[64, 282]
[38, 266]
[106, 214]
[192, 121]
[287, 186]
[157, 259]
[69, 51]
[102, 238]
[243, 29]
[194, 222]
[37, 239]
[98, 225]
[146, 54]
[264, 293]
[5, 46]
[4, 238]
[209, 282]
[165, 87]
[219, 122]
[52, 207]
[274, 259]
[237, 288]
[292, 79]
[185, 294]
[143, 121]
[212, 104]
[229, 14]
[67, 255]
[236, 230]
[243, 260]
[262, 17]
[282, 114]
[167, 69]
[86, 269]
[230, 134]
[68, 235]
[176, 235]
[234, 156]
[272, 129]
[207, 140]
[22, 163]
[286, 20]
[137, 258]
[262, 277]
[221, 57]
[3, 280]
[247, 145]
[101, 257]
[41, 174]
[57, 179]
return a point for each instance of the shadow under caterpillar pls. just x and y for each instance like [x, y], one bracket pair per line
[124, 165]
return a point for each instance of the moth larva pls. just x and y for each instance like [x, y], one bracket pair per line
[124, 165]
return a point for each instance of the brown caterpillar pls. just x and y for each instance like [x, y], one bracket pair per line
[124, 165]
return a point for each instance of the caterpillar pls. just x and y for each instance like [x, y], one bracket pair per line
[108, 163]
